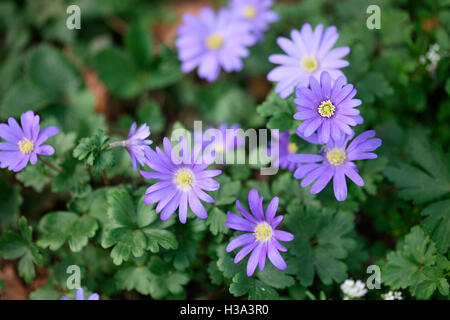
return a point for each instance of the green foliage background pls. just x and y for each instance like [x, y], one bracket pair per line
[400, 219]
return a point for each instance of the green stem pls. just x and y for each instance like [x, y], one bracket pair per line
[51, 166]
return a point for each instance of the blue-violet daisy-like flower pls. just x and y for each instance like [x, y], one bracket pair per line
[183, 180]
[80, 296]
[256, 12]
[307, 54]
[137, 144]
[285, 148]
[221, 140]
[327, 108]
[212, 41]
[24, 144]
[262, 238]
[336, 161]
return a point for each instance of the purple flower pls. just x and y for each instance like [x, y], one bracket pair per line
[262, 238]
[80, 296]
[256, 12]
[183, 181]
[285, 148]
[136, 144]
[308, 54]
[336, 162]
[212, 41]
[222, 139]
[328, 109]
[24, 143]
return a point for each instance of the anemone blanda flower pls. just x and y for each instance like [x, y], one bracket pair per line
[80, 296]
[256, 12]
[307, 54]
[221, 140]
[24, 144]
[328, 109]
[285, 148]
[262, 238]
[183, 180]
[211, 41]
[336, 161]
[137, 144]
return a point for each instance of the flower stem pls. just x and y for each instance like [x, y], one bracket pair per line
[51, 166]
[117, 144]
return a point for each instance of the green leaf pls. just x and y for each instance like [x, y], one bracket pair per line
[60, 226]
[35, 176]
[228, 191]
[415, 265]
[430, 182]
[157, 280]
[373, 85]
[275, 278]
[216, 221]
[321, 242]
[137, 278]
[226, 264]
[94, 152]
[139, 42]
[45, 293]
[164, 71]
[126, 242]
[51, 73]
[279, 111]
[14, 246]
[437, 224]
[134, 229]
[74, 179]
[150, 113]
[256, 289]
[118, 72]
[23, 96]
[160, 238]
[10, 201]
[214, 273]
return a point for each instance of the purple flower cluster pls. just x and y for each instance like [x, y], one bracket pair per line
[326, 107]
[212, 41]
[308, 54]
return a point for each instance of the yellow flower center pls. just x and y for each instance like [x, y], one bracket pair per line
[336, 156]
[214, 41]
[263, 231]
[309, 63]
[219, 148]
[184, 178]
[26, 146]
[292, 147]
[326, 109]
[250, 12]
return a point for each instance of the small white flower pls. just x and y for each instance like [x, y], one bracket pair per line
[392, 295]
[389, 296]
[422, 59]
[353, 289]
